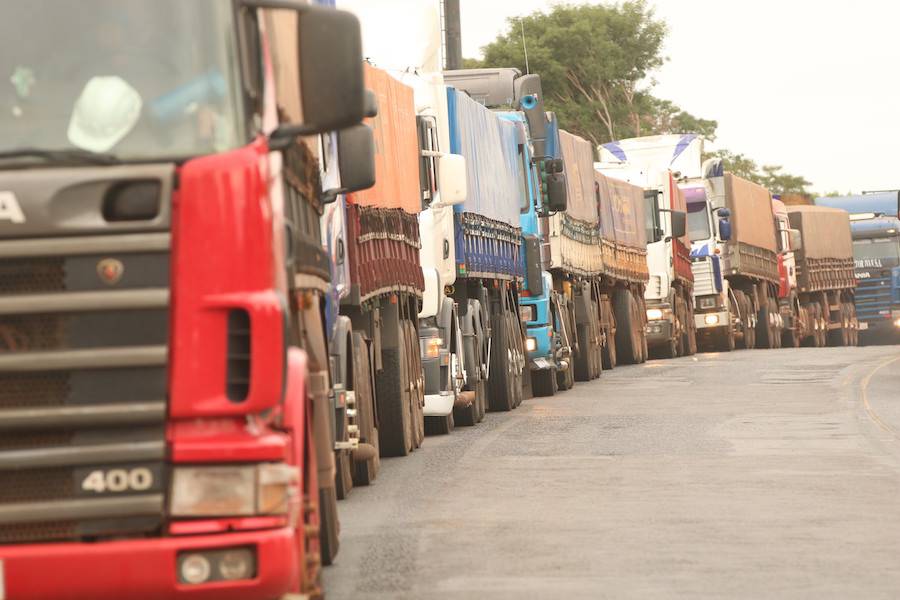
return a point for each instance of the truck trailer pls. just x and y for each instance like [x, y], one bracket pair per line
[656, 163]
[734, 259]
[875, 228]
[598, 261]
[165, 379]
[518, 99]
[820, 310]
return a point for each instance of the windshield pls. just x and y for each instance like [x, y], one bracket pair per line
[697, 213]
[877, 252]
[136, 79]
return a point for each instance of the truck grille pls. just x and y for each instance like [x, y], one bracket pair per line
[84, 322]
[873, 295]
[704, 277]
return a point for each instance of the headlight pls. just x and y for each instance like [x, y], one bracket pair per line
[528, 313]
[897, 323]
[708, 302]
[654, 314]
[233, 490]
[530, 344]
[711, 319]
[431, 347]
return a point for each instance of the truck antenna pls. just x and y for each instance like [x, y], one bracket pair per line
[524, 46]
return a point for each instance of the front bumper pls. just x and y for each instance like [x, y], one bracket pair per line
[542, 356]
[143, 569]
[439, 405]
[658, 332]
[721, 321]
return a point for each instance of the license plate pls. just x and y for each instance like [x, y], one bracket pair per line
[862, 326]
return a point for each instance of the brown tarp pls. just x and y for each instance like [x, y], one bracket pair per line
[751, 213]
[396, 146]
[622, 212]
[826, 231]
[578, 156]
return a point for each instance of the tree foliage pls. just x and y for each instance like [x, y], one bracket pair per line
[594, 61]
[772, 177]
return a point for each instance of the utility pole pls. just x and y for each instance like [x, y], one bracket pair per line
[452, 35]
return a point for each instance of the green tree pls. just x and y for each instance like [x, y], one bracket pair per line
[592, 60]
[771, 176]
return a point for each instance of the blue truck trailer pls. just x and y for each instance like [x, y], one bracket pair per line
[875, 227]
[518, 100]
[490, 269]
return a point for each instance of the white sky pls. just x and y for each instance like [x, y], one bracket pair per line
[813, 86]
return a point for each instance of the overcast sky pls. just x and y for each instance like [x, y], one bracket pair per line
[813, 86]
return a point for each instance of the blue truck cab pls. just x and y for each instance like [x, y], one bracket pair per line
[875, 227]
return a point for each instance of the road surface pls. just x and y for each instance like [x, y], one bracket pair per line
[768, 473]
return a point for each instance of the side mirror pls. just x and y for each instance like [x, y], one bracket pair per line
[452, 180]
[679, 223]
[557, 192]
[356, 160]
[724, 229]
[329, 57]
[796, 239]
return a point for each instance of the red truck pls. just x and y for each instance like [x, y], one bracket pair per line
[158, 319]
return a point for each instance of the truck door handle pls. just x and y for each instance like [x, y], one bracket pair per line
[446, 249]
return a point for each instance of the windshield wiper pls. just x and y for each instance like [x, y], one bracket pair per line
[66, 156]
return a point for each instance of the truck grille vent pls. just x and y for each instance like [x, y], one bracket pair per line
[20, 390]
[237, 382]
[32, 275]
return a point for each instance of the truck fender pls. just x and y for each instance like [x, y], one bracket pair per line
[433, 294]
[340, 350]
[445, 321]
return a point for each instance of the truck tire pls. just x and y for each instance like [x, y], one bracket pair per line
[610, 357]
[307, 531]
[765, 329]
[840, 337]
[581, 360]
[417, 382]
[544, 383]
[364, 471]
[329, 527]
[628, 345]
[394, 399]
[743, 307]
[502, 397]
[517, 343]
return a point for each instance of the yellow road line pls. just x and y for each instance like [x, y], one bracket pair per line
[863, 387]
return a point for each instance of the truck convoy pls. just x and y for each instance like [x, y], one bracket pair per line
[165, 386]
[517, 101]
[656, 163]
[585, 261]
[598, 259]
[875, 228]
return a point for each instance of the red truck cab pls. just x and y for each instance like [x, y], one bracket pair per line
[156, 431]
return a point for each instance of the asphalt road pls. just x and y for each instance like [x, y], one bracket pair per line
[751, 474]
